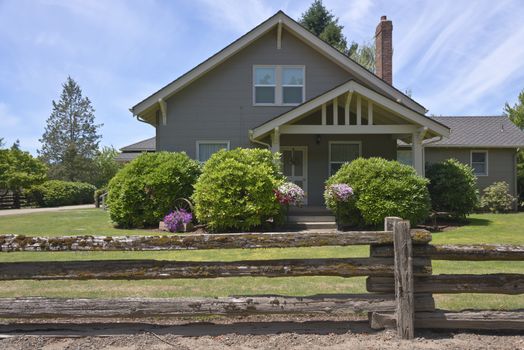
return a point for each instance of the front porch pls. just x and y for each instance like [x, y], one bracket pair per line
[345, 123]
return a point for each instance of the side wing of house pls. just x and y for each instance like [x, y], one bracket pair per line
[489, 144]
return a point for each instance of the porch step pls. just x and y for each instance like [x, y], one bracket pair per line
[312, 225]
[311, 218]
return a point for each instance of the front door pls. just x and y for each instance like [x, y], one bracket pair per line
[294, 159]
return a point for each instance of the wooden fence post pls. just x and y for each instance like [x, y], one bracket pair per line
[404, 286]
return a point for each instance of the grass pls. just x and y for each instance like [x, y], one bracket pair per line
[483, 228]
[61, 223]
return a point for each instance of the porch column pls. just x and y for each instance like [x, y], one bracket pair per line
[417, 152]
[275, 140]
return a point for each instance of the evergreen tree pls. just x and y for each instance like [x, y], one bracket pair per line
[70, 141]
[321, 22]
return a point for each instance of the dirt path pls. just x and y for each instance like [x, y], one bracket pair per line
[241, 333]
[5, 212]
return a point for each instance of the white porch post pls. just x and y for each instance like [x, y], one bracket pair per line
[275, 140]
[417, 151]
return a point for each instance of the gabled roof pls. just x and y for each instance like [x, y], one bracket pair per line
[291, 25]
[480, 131]
[435, 127]
[141, 146]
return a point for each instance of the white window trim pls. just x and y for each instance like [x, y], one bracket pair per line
[487, 161]
[278, 85]
[359, 143]
[204, 142]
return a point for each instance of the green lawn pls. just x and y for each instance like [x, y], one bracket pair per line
[484, 228]
[60, 223]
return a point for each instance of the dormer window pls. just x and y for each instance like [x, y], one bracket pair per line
[278, 85]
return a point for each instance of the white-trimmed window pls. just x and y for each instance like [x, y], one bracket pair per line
[341, 152]
[405, 156]
[278, 85]
[205, 149]
[479, 162]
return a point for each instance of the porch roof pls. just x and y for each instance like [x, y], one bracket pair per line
[415, 120]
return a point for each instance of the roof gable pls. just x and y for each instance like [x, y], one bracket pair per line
[435, 127]
[280, 18]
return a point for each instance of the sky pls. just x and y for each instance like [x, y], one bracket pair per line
[457, 57]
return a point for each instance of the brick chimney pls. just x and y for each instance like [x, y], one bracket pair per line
[384, 50]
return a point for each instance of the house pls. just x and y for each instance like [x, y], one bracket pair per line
[281, 87]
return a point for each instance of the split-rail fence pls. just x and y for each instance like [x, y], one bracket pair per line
[400, 280]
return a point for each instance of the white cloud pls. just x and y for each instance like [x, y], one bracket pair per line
[239, 16]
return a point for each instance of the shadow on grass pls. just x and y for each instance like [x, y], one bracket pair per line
[478, 222]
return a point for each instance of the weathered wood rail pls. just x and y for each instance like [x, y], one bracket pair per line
[168, 307]
[500, 283]
[163, 269]
[476, 252]
[12, 243]
[400, 281]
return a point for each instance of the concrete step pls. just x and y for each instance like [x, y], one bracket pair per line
[311, 218]
[311, 225]
[304, 211]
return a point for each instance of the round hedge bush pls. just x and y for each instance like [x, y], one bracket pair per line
[54, 193]
[452, 187]
[381, 188]
[144, 190]
[235, 190]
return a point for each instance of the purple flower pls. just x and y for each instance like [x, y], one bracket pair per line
[340, 192]
[176, 220]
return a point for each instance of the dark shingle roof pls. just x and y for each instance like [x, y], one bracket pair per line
[481, 131]
[141, 146]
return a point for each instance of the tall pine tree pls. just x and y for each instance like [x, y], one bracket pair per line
[70, 141]
[321, 22]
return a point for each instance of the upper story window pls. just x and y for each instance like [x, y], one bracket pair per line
[278, 85]
[479, 162]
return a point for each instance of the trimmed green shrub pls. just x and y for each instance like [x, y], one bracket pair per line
[54, 193]
[235, 190]
[145, 189]
[381, 188]
[497, 199]
[452, 187]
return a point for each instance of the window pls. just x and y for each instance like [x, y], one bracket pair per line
[278, 85]
[206, 148]
[405, 156]
[342, 152]
[292, 85]
[265, 85]
[479, 162]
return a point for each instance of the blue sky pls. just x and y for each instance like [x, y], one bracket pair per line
[458, 57]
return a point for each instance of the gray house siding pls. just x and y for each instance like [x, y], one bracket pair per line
[501, 163]
[219, 105]
[318, 156]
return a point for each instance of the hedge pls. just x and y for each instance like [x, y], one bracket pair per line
[145, 189]
[236, 189]
[381, 188]
[55, 193]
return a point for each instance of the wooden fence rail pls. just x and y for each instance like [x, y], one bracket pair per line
[163, 269]
[476, 252]
[166, 307]
[11, 243]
